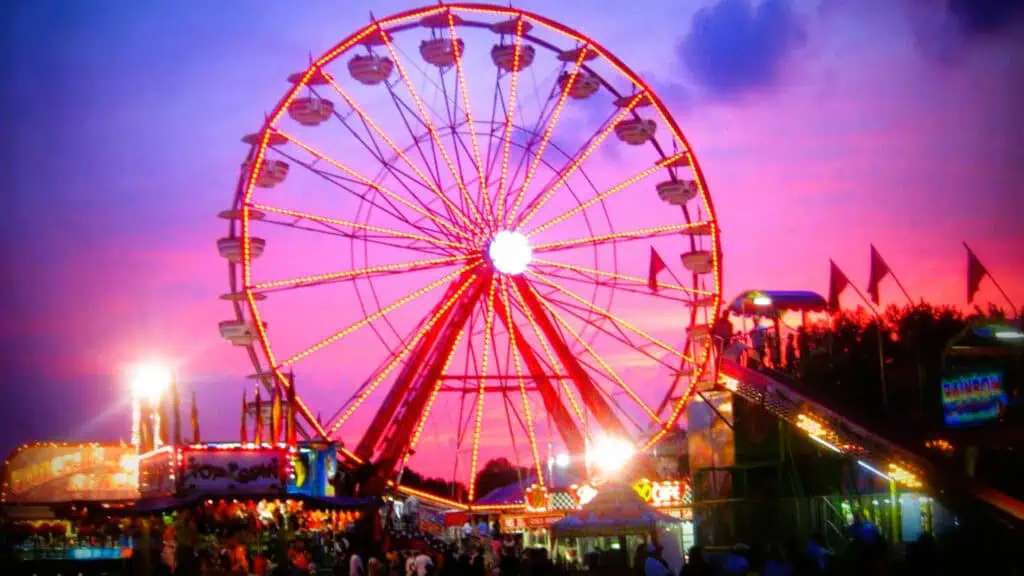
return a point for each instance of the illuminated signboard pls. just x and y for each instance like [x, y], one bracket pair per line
[235, 471]
[974, 398]
[157, 473]
[51, 473]
[511, 523]
[664, 494]
[314, 467]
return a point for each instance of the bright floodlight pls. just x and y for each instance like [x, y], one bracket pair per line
[1009, 335]
[510, 252]
[762, 301]
[562, 460]
[611, 454]
[149, 381]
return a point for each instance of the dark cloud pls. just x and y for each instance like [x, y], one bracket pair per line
[985, 17]
[739, 46]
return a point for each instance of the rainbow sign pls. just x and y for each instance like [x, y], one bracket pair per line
[975, 398]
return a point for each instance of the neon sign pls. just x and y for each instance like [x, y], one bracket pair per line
[973, 398]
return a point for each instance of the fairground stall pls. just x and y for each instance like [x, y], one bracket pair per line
[47, 491]
[532, 512]
[603, 535]
[266, 499]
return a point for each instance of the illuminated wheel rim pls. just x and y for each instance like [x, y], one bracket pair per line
[430, 255]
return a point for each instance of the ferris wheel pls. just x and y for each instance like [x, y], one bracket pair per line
[473, 232]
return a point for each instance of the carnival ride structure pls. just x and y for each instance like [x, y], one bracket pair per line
[906, 460]
[430, 232]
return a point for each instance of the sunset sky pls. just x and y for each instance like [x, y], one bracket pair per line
[821, 126]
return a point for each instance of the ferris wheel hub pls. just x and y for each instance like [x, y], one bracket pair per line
[510, 252]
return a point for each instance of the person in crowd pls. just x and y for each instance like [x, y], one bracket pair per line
[697, 564]
[735, 562]
[423, 564]
[355, 564]
[640, 558]
[508, 564]
[791, 354]
[476, 562]
[777, 563]
[655, 565]
[818, 554]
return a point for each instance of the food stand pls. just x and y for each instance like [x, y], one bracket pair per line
[605, 531]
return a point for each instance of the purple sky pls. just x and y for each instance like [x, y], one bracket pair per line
[821, 127]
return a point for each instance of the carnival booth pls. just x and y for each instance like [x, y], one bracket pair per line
[48, 488]
[606, 531]
[531, 514]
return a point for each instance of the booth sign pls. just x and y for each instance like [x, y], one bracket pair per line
[233, 471]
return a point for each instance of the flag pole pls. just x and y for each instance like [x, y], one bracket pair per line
[1013, 307]
[1002, 292]
[881, 351]
[902, 289]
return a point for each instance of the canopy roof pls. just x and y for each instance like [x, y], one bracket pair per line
[616, 509]
[774, 302]
[986, 337]
[560, 478]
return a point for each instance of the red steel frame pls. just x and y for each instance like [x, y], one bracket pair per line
[393, 433]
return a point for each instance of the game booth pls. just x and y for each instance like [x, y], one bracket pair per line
[530, 515]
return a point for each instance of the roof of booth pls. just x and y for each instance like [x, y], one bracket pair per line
[773, 302]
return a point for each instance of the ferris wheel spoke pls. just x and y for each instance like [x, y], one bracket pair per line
[608, 370]
[343, 182]
[357, 226]
[374, 239]
[431, 184]
[368, 272]
[510, 110]
[378, 314]
[542, 198]
[468, 108]
[618, 334]
[477, 222]
[433, 217]
[603, 195]
[639, 234]
[548, 353]
[625, 286]
[451, 301]
[422, 420]
[607, 314]
[585, 272]
[527, 414]
[548, 133]
[484, 355]
[589, 391]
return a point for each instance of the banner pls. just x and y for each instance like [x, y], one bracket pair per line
[51, 473]
[233, 471]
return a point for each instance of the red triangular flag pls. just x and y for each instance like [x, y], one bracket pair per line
[976, 272]
[837, 282]
[879, 270]
[657, 265]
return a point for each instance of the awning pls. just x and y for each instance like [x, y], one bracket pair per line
[616, 510]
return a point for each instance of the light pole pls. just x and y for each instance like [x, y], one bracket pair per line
[149, 381]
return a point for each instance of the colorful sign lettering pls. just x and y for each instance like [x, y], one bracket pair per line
[973, 398]
[74, 472]
[233, 471]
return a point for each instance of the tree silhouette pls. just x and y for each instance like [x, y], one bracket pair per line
[498, 473]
